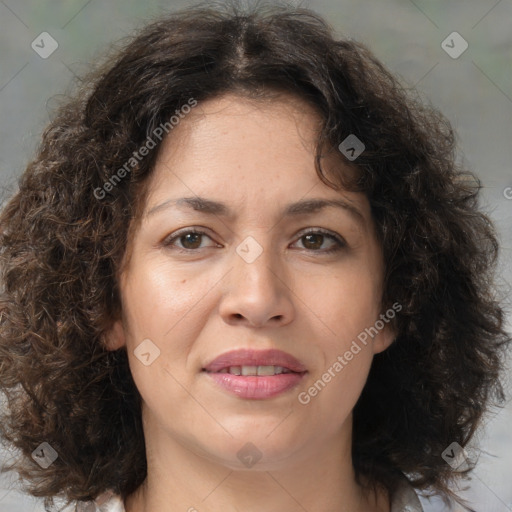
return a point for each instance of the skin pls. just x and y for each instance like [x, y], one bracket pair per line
[256, 157]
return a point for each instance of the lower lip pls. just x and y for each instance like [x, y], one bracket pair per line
[254, 387]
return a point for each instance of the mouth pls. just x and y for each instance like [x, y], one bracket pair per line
[250, 374]
[255, 362]
[259, 371]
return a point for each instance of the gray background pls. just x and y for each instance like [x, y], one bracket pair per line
[474, 91]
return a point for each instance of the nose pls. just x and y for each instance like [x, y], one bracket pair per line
[257, 293]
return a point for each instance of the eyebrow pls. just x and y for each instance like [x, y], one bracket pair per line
[304, 207]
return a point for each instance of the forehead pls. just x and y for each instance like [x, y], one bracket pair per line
[233, 139]
[220, 122]
[248, 157]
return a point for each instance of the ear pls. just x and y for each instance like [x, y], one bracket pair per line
[384, 339]
[114, 338]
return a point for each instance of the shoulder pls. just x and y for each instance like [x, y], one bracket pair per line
[107, 502]
[405, 498]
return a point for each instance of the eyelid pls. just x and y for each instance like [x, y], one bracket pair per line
[340, 242]
[338, 239]
[175, 235]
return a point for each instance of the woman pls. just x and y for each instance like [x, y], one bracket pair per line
[244, 273]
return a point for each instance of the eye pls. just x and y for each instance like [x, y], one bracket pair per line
[314, 238]
[190, 239]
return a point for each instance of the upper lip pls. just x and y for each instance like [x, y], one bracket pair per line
[247, 357]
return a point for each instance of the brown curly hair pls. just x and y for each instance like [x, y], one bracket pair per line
[60, 248]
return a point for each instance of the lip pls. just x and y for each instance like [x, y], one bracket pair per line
[252, 386]
[247, 357]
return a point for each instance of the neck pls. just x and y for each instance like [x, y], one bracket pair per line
[320, 479]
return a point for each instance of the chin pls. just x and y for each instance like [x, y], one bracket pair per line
[255, 447]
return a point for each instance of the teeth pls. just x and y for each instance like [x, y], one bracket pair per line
[266, 370]
[249, 370]
[255, 370]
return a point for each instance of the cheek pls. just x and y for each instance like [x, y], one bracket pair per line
[165, 308]
[158, 298]
[333, 391]
[346, 302]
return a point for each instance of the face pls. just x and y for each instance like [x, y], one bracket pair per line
[252, 273]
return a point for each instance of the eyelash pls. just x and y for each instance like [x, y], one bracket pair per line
[339, 242]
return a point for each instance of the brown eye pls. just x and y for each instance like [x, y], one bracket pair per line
[314, 240]
[189, 240]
